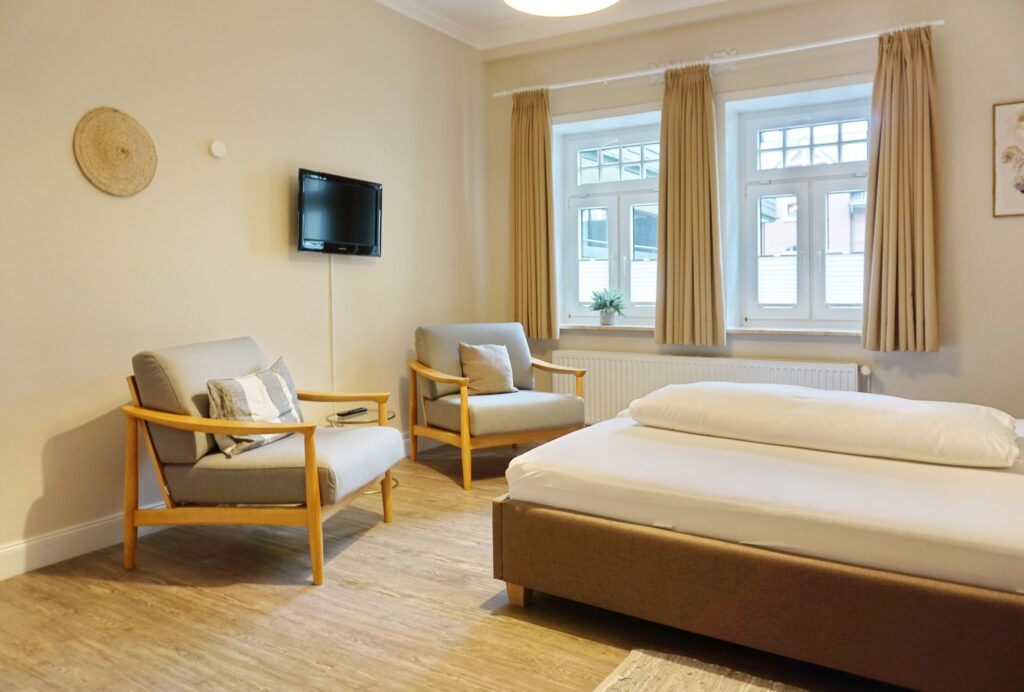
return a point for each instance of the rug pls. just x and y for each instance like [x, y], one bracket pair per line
[653, 671]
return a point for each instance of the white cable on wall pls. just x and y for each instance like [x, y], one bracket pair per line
[330, 322]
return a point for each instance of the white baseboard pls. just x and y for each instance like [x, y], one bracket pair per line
[423, 444]
[32, 553]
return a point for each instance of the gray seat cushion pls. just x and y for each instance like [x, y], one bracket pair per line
[347, 459]
[174, 380]
[438, 347]
[507, 413]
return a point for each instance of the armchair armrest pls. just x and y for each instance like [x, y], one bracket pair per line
[333, 397]
[562, 370]
[214, 425]
[558, 369]
[437, 375]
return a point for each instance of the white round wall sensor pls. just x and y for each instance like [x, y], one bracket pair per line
[218, 149]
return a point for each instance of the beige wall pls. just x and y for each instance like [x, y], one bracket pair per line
[207, 251]
[978, 56]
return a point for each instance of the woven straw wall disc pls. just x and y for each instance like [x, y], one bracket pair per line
[114, 151]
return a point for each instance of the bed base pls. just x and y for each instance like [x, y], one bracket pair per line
[905, 630]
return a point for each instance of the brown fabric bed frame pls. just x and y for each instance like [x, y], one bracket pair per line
[905, 630]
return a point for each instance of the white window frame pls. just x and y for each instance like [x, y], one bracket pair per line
[618, 197]
[809, 184]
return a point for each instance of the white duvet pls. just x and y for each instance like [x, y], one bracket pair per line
[950, 523]
[936, 432]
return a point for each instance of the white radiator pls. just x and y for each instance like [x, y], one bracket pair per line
[615, 379]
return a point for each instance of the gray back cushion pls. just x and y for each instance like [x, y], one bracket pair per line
[174, 380]
[438, 347]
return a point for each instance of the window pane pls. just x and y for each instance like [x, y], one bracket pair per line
[651, 170]
[593, 225]
[588, 158]
[645, 231]
[826, 155]
[855, 152]
[593, 276]
[609, 156]
[844, 280]
[609, 173]
[777, 281]
[631, 153]
[826, 134]
[652, 152]
[643, 268]
[855, 129]
[771, 139]
[844, 261]
[770, 159]
[798, 136]
[631, 172]
[798, 157]
[588, 175]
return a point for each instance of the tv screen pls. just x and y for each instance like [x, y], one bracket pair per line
[338, 214]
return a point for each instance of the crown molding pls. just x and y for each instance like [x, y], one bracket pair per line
[532, 32]
[417, 12]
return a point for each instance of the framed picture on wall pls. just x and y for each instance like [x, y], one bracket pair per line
[1008, 159]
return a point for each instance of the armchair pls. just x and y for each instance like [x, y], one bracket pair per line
[451, 416]
[293, 481]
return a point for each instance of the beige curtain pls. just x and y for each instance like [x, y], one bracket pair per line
[531, 216]
[690, 301]
[901, 302]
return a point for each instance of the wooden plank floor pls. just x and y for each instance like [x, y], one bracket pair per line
[410, 605]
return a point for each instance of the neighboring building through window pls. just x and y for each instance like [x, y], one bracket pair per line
[608, 197]
[802, 189]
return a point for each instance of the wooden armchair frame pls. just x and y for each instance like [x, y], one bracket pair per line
[462, 439]
[311, 514]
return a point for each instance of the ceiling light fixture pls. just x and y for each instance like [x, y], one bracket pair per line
[559, 8]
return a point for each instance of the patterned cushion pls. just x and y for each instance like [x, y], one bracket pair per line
[266, 396]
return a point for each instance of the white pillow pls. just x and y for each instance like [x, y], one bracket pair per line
[873, 425]
[265, 396]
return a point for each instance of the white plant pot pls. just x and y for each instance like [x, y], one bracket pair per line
[607, 317]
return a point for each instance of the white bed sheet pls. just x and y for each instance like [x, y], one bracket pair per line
[954, 524]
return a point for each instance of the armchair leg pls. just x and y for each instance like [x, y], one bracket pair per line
[314, 523]
[316, 551]
[385, 493]
[413, 413]
[467, 466]
[131, 492]
[465, 443]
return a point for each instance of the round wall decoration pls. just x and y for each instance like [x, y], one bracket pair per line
[114, 151]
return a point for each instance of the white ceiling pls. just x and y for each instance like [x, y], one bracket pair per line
[488, 24]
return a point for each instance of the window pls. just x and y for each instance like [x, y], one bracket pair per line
[802, 180]
[821, 144]
[614, 164]
[609, 218]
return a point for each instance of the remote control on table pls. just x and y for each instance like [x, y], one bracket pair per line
[352, 412]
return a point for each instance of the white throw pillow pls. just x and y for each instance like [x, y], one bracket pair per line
[266, 396]
[935, 432]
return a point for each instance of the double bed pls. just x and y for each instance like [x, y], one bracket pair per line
[910, 573]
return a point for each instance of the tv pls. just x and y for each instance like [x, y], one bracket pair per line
[338, 215]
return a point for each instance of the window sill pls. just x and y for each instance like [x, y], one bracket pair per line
[793, 331]
[731, 331]
[631, 328]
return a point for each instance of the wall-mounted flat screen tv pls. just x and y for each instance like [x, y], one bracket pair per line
[338, 215]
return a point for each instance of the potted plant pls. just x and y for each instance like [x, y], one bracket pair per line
[609, 302]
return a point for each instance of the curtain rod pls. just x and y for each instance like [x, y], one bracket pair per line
[722, 59]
